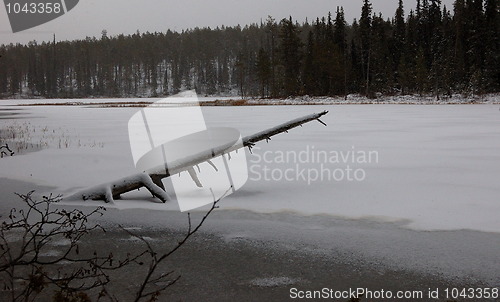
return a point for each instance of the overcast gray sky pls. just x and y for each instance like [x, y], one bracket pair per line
[90, 17]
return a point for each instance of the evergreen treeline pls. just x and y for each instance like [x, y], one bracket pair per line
[431, 50]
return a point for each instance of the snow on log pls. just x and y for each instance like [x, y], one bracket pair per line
[152, 179]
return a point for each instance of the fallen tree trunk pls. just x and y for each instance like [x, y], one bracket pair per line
[152, 179]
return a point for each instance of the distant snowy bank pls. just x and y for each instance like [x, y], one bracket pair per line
[359, 99]
[352, 99]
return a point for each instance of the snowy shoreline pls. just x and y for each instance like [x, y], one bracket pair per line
[352, 99]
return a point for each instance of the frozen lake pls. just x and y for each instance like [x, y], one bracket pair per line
[431, 167]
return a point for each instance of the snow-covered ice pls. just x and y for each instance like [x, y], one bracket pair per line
[437, 167]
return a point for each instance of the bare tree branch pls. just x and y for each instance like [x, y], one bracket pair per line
[27, 271]
[5, 151]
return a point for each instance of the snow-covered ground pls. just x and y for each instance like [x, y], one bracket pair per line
[424, 167]
[98, 101]
[396, 99]
[455, 99]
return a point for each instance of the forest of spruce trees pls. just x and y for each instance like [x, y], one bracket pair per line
[433, 50]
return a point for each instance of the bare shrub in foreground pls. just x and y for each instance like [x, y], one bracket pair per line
[29, 267]
[5, 151]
